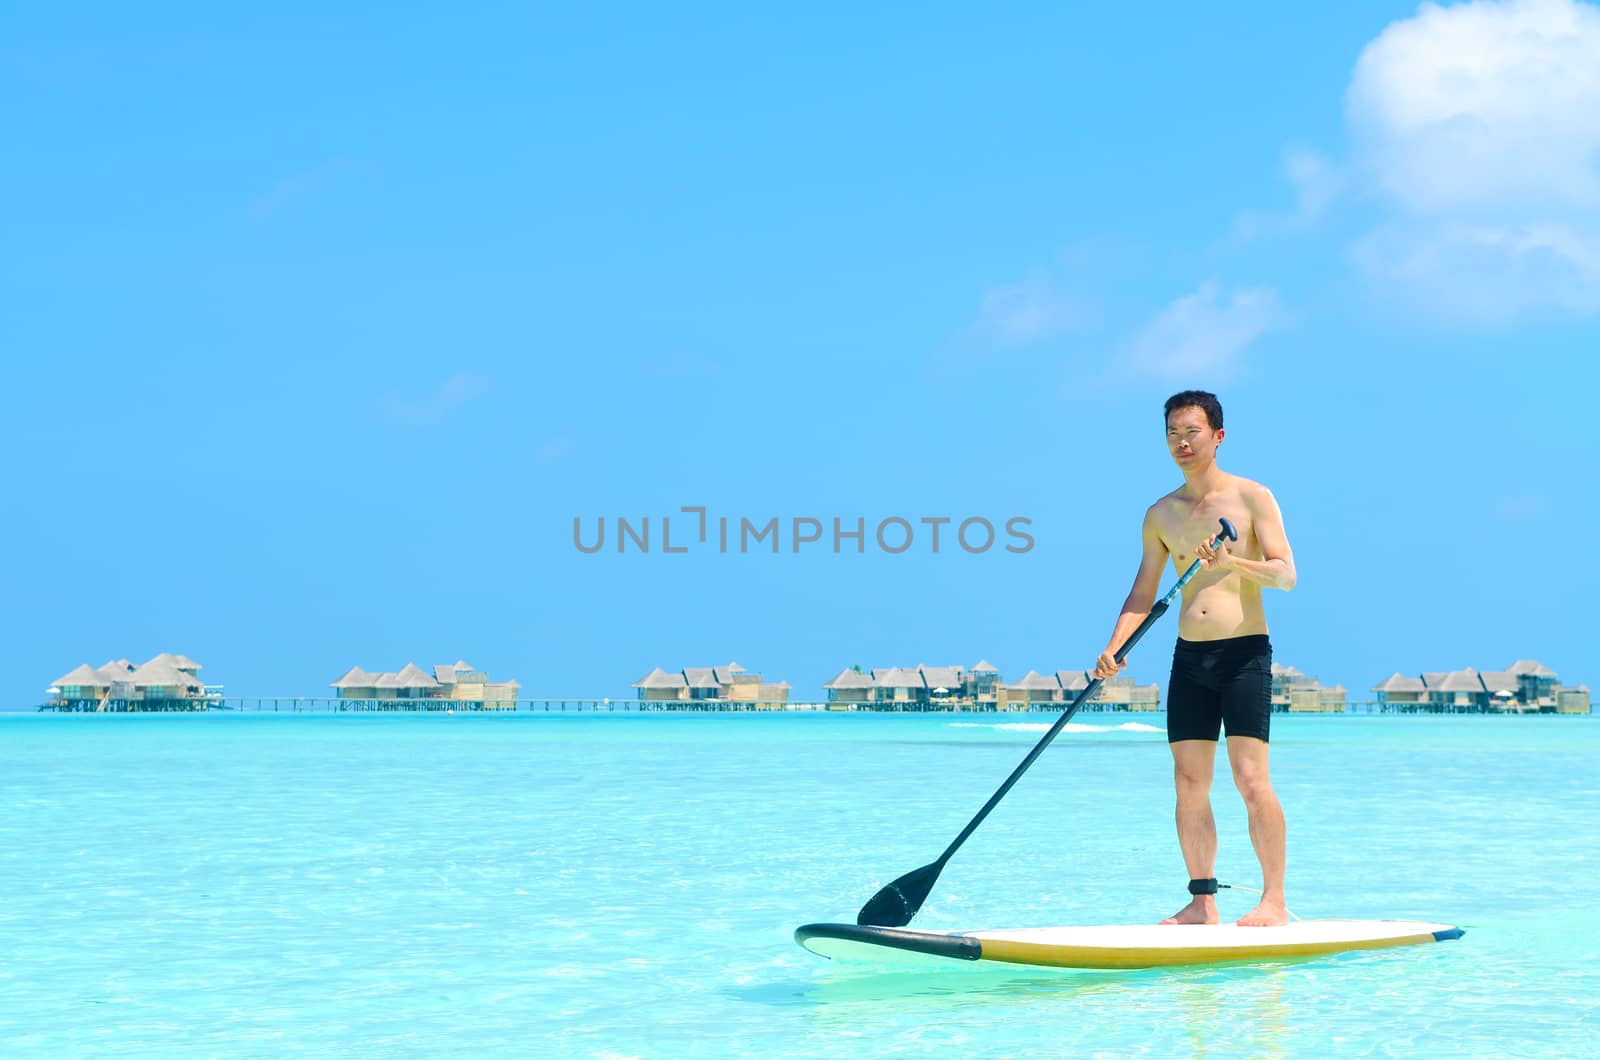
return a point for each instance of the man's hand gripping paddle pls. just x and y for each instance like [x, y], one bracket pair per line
[897, 903]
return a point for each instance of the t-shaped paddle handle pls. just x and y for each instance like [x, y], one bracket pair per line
[1227, 532]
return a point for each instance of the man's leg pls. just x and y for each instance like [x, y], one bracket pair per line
[1192, 765]
[1248, 757]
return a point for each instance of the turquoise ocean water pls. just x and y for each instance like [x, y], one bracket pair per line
[235, 885]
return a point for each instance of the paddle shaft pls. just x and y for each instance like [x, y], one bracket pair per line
[1038, 749]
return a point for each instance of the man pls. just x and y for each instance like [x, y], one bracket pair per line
[1222, 666]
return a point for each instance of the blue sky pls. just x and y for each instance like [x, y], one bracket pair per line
[321, 328]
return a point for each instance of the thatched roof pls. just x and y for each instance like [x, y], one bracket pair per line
[941, 676]
[84, 676]
[701, 677]
[985, 667]
[414, 676]
[1073, 680]
[898, 677]
[850, 679]
[1498, 682]
[160, 674]
[1398, 682]
[1033, 682]
[659, 678]
[356, 677]
[1280, 670]
[1529, 666]
[1460, 681]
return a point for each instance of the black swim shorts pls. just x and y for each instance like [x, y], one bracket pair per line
[1220, 682]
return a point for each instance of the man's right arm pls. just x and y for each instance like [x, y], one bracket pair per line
[1141, 598]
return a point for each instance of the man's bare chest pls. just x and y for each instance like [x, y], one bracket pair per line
[1186, 525]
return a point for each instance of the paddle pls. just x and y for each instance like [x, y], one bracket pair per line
[898, 902]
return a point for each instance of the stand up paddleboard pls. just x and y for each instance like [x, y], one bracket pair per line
[1116, 946]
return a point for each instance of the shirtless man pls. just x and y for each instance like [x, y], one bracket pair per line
[1222, 666]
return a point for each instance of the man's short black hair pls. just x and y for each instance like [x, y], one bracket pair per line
[1195, 399]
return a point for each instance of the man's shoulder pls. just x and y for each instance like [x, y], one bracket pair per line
[1167, 502]
[1250, 489]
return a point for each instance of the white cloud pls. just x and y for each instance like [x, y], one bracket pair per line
[1483, 105]
[1484, 273]
[1316, 182]
[432, 408]
[1022, 313]
[1203, 335]
[1479, 126]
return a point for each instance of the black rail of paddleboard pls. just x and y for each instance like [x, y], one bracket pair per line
[960, 947]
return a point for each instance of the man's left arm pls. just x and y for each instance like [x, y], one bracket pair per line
[1276, 569]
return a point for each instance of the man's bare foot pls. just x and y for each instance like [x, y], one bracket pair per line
[1267, 914]
[1202, 909]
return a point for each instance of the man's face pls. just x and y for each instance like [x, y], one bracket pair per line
[1190, 439]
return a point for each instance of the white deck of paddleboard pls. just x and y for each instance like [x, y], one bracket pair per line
[1181, 936]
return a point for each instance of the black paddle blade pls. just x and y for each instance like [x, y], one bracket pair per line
[898, 902]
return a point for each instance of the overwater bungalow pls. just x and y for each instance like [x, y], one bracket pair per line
[851, 689]
[1456, 690]
[1537, 685]
[900, 687]
[943, 684]
[981, 685]
[412, 687]
[1295, 691]
[709, 686]
[166, 682]
[1030, 690]
[1073, 682]
[925, 687]
[1526, 686]
[1500, 688]
[658, 686]
[1118, 692]
[1401, 691]
[920, 687]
